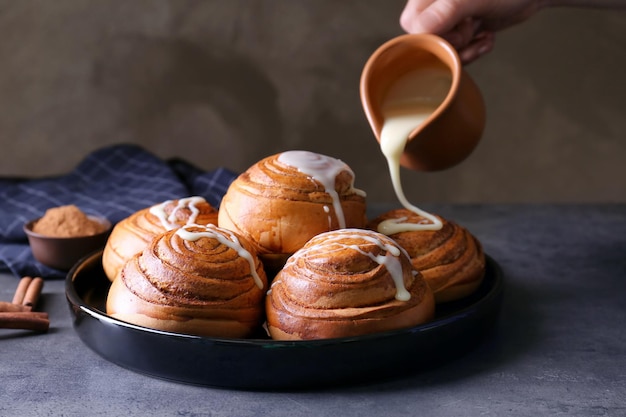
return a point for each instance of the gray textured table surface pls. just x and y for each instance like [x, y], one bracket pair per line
[559, 347]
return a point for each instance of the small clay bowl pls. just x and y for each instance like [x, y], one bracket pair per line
[63, 252]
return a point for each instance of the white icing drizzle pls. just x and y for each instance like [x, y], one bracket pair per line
[225, 237]
[327, 211]
[169, 222]
[392, 226]
[274, 282]
[390, 259]
[323, 169]
[408, 104]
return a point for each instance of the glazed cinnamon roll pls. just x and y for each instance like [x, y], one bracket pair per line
[199, 280]
[131, 235]
[347, 282]
[451, 259]
[282, 201]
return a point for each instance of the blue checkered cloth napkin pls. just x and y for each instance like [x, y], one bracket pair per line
[113, 182]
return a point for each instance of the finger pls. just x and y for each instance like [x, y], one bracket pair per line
[440, 16]
[411, 13]
[462, 34]
[482, 44]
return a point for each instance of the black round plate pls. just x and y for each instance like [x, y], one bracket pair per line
[269, 364]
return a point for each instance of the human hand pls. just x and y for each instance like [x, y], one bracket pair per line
[469, 25]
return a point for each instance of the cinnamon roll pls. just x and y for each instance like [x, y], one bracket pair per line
[200, 280]
[282, 201]
[347, 282]
[131, 235]
[450, 258]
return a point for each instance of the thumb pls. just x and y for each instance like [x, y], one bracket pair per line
[439, 17]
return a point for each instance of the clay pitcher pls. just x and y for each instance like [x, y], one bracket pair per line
[452, 131]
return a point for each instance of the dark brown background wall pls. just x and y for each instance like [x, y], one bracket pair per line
[227, 83]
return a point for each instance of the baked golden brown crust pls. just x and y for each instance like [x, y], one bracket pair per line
[192, 280]
[451, 259]
[279, 208]
[341, 283]
[131, 235]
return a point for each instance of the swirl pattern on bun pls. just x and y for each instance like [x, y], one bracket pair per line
[131, 235]
[451, 259]
[283, 200]
[347, 282]
[200, 280]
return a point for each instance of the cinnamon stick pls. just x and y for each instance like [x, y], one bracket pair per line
[10, 307]
[36, 321]
[18, 314]
[20, 292]
[33, 292]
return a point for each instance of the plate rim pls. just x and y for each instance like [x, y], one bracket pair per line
[227, 363]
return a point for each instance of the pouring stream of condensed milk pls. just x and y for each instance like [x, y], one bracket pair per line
[408, 103]
[424, 109]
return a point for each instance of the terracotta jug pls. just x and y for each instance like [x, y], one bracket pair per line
[454, 129]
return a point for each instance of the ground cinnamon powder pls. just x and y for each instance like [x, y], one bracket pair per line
[67, 221]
